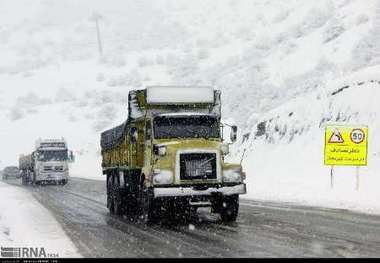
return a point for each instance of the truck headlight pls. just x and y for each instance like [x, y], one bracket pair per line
[225, 148]
[162, 176]
[232, 176]
[159, 150]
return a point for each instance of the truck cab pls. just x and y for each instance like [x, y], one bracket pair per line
[49, 162]
[188, 150]
[52, 161]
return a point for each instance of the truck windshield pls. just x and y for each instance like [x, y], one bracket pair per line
[57, 155]
[186, 127]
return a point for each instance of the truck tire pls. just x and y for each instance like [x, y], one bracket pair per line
[23, 179]
[34, 181]
[150, 209]
[26, 177]
[230, 208]
[110, 194]
[117, 202]
[64, 182]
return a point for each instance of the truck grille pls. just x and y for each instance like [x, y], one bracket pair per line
[197, 166]
[53, 168]
[48, 168]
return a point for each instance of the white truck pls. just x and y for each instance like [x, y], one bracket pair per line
[48, 163]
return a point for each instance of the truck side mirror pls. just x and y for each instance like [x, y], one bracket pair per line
[134, 135]
[233, 134]
[225, 147]
[71, 157]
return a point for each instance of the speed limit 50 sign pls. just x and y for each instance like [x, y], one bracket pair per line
[346, 145]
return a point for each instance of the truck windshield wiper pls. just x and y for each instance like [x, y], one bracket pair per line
[164, 133]
[209, 160]
[190, 131]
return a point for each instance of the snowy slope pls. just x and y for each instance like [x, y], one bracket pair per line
[269, 58]
[285, 152]
[25, 223]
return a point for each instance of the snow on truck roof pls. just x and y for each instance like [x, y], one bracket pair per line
[51, 143]
[172, 98]
[179, 95]
[185, 114]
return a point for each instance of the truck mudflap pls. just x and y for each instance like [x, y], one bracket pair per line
[190, 191]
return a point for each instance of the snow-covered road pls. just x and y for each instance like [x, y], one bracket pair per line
[26, 223]
[263, 229]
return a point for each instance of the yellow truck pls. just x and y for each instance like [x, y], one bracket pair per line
[167, 158]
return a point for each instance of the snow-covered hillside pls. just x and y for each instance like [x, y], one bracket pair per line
[285, 151]
[273, 60]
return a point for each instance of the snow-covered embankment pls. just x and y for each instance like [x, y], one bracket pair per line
[25, 223]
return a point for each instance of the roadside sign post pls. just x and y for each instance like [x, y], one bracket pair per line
[346, 145]
[357, 178]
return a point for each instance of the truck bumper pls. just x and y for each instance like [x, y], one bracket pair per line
[190, 191]
[51, 177]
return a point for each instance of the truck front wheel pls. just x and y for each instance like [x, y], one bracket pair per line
[64, 182]
[23, 180]
[150, 208]
[229, 208]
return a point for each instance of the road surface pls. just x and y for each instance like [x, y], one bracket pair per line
[263, 229]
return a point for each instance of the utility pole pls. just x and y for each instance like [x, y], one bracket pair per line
[96, 17]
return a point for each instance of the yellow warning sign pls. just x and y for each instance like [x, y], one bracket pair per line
[346, 145]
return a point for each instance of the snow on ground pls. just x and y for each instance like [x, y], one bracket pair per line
[25, 223]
